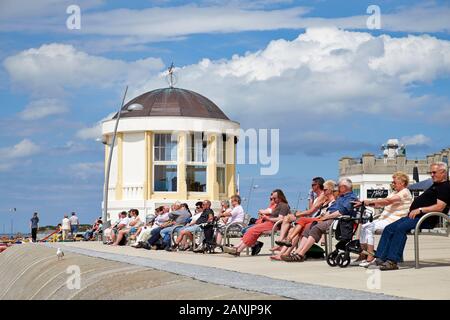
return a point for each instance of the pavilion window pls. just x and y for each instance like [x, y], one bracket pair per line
[165, 162]
[197, 158]
[221, 162]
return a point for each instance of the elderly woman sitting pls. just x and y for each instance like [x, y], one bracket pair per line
[342, 206]
[304, 222]
[396, 206]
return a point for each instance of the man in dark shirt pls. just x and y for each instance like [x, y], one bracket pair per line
[187, 232]
[434, 199]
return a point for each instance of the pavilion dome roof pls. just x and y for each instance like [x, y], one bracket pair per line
[174, 102]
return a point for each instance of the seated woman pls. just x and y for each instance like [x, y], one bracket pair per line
[144, 233]
[303, 222]
[266, 224]
[89, 234]
[236, 214]
[223, 214]
[396, 206]
[342, 206]
[317, 187]
[132, 226]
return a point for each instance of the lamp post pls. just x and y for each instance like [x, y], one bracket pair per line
[250, 194]
[133, 107]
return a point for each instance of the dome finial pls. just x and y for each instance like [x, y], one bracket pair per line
[171, 78]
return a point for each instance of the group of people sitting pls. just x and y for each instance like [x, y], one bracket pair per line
[156, 233]
[300, 230]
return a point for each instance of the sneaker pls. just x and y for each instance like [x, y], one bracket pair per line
[389, 265]
[366, 264]
[138, 245]
[357, 262]
[257, 248]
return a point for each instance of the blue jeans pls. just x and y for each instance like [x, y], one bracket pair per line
[154, 236]
[74, 229]
[165, 235]
[393, 239]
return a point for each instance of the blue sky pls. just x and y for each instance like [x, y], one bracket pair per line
[309, 68]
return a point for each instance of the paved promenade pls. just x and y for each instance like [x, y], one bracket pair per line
[228, 277]
[431, 281]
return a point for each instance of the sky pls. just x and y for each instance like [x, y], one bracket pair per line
[334, 83]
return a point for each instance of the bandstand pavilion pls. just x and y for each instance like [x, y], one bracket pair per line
[181, 146]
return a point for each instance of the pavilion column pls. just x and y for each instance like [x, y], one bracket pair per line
[181, 166]
[230, 166]
[148, 178]
[211, 170]
[119, 183]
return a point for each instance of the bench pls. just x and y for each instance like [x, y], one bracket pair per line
[417, 232]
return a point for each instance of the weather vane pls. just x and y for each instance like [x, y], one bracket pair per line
[171, 77]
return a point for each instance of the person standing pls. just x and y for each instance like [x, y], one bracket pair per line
[65, 227]
[74, 223]
[34, 225]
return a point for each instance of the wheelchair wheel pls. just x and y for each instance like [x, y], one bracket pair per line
[343, 259]
[331, 259]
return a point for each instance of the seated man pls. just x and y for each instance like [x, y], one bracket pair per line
[184, 245]
[434, 199]
[266, 224]
[134, 222]
[342, 206]
[155, 234]
[236, 214]
[206, 216]
[178, 218]
[143, 233]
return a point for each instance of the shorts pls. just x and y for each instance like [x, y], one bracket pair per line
[193, 229]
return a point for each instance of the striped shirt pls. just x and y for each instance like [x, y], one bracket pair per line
[400, 209]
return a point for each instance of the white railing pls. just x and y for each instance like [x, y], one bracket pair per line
[133, 192]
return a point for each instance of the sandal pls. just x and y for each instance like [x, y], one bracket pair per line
[293, 258]
[284, 242]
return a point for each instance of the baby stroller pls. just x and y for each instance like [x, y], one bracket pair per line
[345, 231]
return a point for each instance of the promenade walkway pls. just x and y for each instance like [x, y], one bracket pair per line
[431, 281]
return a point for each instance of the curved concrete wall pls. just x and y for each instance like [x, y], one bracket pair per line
[32, 271]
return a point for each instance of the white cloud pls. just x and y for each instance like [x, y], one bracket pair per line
[43, 108]
[93, 132]
[53, 68]
[324, 73]
[139, 26]
[418, 139]
[13, 155]
[85, 170]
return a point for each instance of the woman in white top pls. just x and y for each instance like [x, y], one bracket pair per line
[396, 206]
[236, 214]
